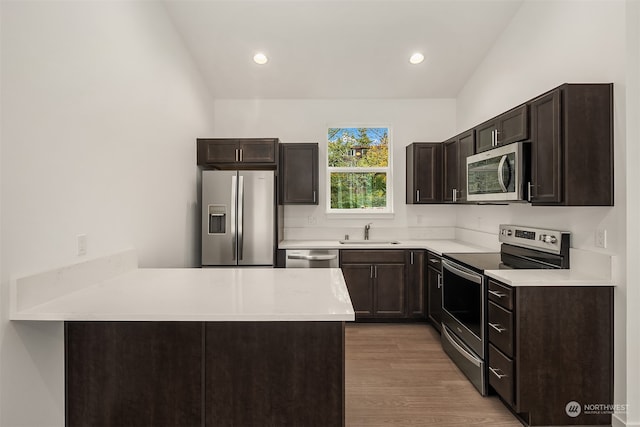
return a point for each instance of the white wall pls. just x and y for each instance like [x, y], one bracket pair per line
[101, 106]
[546, 44]
[307, 121]
[633, 212]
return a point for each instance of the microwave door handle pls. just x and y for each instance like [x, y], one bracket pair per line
[503, 160]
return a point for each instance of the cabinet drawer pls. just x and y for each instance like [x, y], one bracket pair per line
[501, 294]
[434, 261]
[501, 374]
[372, 256]
[501, 328]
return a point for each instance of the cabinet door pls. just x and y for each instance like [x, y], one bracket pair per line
[465, 149]
[390, 290]
[485, 136]
[424, 172]
[359, 280]
[299, 174]
[215, 151]
[546, 149]
[450, 175]
[133, 373]
[416, 285]
[434, 286]
[513, 126]
[258, 150]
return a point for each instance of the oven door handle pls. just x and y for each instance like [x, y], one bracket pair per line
[462, 272]
[464, 352]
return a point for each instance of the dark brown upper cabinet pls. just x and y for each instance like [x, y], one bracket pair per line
[245, 152]
[506, 128]
[424, 173]
[298, 174]
[455, 153]
[572, 146]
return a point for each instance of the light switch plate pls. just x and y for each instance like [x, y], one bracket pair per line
[601, 238]
[82, 244]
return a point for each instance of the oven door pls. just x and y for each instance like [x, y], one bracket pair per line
[463, 305]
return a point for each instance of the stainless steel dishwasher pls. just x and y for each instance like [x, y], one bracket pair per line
[313, 258]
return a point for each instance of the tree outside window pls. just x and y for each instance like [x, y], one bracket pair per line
[358, 169]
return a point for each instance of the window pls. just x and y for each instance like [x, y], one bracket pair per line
[358, 170]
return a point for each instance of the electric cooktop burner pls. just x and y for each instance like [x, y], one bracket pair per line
[522, 248]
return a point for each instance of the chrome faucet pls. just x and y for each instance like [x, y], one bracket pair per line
[366, 231]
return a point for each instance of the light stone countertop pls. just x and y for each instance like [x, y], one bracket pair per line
[198, 294]
[568, 277]
[578, 275]
[436, 246]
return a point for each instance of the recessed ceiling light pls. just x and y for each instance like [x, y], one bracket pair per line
[260, 58]
[416, 58]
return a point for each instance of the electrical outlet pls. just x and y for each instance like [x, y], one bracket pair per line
[311, 220]
[601, 238]
[82, 244]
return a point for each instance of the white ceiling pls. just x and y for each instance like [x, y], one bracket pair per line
[324, 49]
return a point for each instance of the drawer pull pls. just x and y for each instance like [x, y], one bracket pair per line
[433, 260]
[497, 294]
[495, 372]
[497, 327]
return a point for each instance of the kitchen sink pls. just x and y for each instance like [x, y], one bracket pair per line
[369, 242]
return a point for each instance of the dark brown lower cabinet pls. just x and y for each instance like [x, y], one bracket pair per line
[416, 284]
[434, 290]
[133, 373]
[358, 278]
[549, 347]
[377, 284]
[204, 374]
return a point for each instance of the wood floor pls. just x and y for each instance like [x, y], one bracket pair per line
[398, 375]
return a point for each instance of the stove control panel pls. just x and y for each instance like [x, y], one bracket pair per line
[552, 241]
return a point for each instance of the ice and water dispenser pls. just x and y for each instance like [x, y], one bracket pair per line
[217, 219]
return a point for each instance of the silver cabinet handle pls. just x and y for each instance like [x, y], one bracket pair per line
[529, 188]
[439, 281]
[411, 257]
[314, 196]
[237, 154]
[371, 271]
[494, 371]
[497, 294]
[454, 195]
[417, 195]
[497, 137]
[497, 327]
[433, 260]
[493, 138]
[375, 271]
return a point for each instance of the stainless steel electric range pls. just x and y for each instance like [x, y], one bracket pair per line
[464, 291]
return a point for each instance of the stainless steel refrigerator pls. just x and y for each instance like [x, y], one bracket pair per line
[238, 217]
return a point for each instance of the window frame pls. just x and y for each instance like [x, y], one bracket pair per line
[367, 212]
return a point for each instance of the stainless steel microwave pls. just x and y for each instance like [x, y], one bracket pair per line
[499, 174]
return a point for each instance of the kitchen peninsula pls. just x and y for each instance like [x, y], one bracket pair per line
[194, 346]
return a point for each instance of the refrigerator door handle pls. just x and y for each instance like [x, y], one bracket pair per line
[240, 216]
[234, 198]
